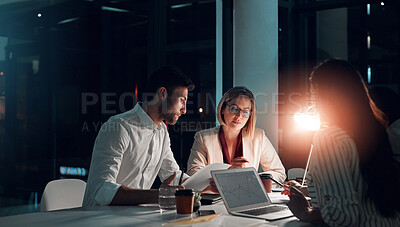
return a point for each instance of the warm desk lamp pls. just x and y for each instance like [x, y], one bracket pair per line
[308, 119]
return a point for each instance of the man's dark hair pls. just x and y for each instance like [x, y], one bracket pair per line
[169, 77]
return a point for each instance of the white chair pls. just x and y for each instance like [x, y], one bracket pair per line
[295, 173]
[63, 194]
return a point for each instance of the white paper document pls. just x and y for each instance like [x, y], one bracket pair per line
[201, 179]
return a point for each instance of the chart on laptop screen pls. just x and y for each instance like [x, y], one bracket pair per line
[241, 189]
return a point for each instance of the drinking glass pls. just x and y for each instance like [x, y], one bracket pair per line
[166, 197]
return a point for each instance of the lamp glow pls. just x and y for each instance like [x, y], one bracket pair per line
[308, 119]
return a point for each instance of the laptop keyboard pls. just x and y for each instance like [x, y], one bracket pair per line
[265, 210]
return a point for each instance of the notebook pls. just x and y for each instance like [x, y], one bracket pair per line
[208, 199]
[244, 194]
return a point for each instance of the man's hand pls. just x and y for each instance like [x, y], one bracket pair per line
[171, 178]
[238, 162]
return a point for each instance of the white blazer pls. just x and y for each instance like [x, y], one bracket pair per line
[207, 149]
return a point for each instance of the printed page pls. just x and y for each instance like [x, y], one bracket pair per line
[201, 179]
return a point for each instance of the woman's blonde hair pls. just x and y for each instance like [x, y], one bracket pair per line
[248, 129]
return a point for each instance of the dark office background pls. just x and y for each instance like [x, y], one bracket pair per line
[66, 66]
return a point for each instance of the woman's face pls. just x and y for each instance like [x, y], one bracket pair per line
[237, 112]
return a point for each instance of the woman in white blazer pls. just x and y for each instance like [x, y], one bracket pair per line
[236, 141]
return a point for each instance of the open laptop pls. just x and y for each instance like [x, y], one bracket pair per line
[244, 194]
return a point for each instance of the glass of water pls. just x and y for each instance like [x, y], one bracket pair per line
[166, 197]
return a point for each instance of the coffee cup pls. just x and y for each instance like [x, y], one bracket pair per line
[184, 201]
[266, 179]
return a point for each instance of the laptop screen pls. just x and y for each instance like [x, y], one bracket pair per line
[241, 188]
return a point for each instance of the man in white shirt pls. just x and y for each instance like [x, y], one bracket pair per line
[132, 148]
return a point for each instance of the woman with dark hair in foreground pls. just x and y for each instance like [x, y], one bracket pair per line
[353, 177]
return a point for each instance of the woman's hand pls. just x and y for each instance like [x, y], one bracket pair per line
[238, 162]
[297, 185]
[288, 185]
[298, 204]
[212, 188]
[300, 207]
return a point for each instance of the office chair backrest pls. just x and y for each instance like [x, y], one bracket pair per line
[295, 173]
[63, 194]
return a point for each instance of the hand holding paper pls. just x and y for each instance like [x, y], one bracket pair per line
[201, 179]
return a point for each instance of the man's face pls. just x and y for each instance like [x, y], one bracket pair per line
[174, 105]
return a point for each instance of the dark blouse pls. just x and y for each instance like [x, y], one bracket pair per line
[225, 152]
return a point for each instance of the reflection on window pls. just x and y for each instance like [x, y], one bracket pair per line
[2, 107]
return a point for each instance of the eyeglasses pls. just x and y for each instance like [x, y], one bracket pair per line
[235, 110]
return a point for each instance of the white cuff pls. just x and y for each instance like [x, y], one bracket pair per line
[106, 193]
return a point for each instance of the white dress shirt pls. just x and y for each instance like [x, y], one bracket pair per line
[130, 150]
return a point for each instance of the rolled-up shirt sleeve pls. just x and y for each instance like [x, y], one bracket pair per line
[331, 167]
[110, 145]
[169, 165]
[270, 161]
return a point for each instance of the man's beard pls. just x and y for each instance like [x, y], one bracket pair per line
[170, 118]
[167, 115]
